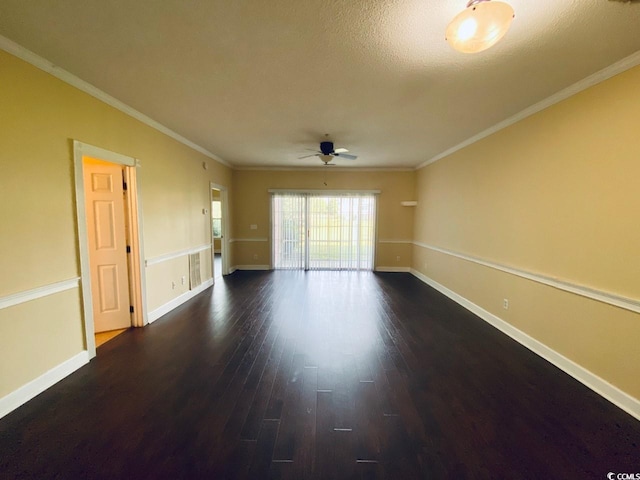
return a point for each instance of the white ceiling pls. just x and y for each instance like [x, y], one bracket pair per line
[258, 82]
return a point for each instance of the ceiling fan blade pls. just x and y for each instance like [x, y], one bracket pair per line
[340, 150]
[346, 156]
[307, 156]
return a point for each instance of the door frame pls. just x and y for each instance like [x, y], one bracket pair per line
[224, 241]
[137, 287]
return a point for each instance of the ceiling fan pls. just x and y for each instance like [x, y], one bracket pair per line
[327, 153]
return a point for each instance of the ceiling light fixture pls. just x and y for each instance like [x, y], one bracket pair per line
[479, 26]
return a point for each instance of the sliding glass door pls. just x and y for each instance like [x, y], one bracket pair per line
[323, 232]
[288, 215]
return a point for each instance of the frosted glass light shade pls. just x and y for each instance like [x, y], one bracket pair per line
[479, 26]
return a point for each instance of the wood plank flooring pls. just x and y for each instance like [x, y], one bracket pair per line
[325, 375]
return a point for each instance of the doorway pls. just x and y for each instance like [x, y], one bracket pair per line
[323, 231]
[105, 190]
[109, 241]
[219, 227]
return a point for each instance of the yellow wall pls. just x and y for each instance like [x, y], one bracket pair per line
[39, 119]
[252, 204]
[555, 194]
[170, 278]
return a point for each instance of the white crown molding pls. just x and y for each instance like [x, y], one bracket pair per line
[621, 399]
[623, 65]
[322, 169]
[180, 253]
[38, 292]
[179, 300]
[609, 298]
[28, 56]
[319, 191]
[35, 387]
[233, 240]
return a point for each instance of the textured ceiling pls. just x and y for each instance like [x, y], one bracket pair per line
[256, 82]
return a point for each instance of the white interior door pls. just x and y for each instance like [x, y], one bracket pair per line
[104, 197]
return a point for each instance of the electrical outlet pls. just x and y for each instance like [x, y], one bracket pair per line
[173, 285]
[253, 227]
[183, 280]
[398, 258]
[255, 256]
[505, 304]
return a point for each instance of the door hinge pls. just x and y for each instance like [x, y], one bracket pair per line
[130, 308]
[124, 185]
[128, 249]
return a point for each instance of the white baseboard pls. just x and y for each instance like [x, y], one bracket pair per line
[249, 267]
[393, 269]
[22, 395]
[176, 302]
[623, 400]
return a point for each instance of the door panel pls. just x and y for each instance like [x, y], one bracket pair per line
[108, 288]
[104, 220]
[104, 197]
[289, 233]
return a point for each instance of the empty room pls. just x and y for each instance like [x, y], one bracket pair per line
[320, 239]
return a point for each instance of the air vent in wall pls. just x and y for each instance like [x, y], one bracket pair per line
[194, 270]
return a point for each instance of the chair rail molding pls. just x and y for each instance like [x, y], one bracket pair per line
[178, 254]
[38, 292]
[609, 298]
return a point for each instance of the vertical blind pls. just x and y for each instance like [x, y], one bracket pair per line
[323, 232]
[289, 231]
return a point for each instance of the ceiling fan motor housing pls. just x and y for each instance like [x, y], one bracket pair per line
[326, 148]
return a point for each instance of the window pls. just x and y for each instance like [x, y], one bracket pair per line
[216, 218]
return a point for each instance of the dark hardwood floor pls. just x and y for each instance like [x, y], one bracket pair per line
[318, 375]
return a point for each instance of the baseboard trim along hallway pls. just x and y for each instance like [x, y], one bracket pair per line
[393, 269]
[176, 302]
[35, 387]
[603, 388]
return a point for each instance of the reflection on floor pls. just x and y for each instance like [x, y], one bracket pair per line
[104, 337]
[217, 265]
